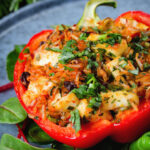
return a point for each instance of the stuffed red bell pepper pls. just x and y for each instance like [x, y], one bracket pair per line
[86, 82]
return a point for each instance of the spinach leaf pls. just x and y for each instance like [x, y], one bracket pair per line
[11, 61]
[35, 134]
[10, 142]
[12, 111]
[75, 119]
[4, 148]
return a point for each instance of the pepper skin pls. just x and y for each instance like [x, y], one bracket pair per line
[131, 126]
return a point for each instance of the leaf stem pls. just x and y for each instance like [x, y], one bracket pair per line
[6, 86]
[21, 134]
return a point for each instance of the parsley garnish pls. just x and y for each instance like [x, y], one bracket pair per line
[133, 86]
[90, 89]
[91, 64]
[53, 49]
[95, 102]
[112, 39]
[111, 55]
[135, 72]
[51, 74]
[146, 65]
[83, 36]
[75, 119]
[68, 68]
[114, 87]
[123, 58]
[67, 52]
[101, 52]
[123, 65]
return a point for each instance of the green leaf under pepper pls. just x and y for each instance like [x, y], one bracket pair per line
[35, 134]
[11, 61]
[12, 112]
[9, 142]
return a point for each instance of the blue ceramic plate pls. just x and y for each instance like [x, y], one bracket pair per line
[19, 27]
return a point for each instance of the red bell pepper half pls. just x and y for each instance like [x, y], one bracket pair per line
[131, 126]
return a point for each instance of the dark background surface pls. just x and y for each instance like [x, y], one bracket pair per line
[19, 27]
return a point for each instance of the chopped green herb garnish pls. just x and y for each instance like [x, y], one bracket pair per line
[146, 65]
[83, 36]
[68, 68]
[90, 89]
[51, 74]
[133, 85]
[75, 119]
[114, 87]
[95, 102]
[123, 58]
[144, 37]
[135, 72]
[67, 52]
[96, 29]
[123, 64]
[53, 49]
[91, 64]
[112, 39]
[101, 51]
[102, 36]
[111, 55]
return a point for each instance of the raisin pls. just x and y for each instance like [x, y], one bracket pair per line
[24, 79]
[69, 85]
